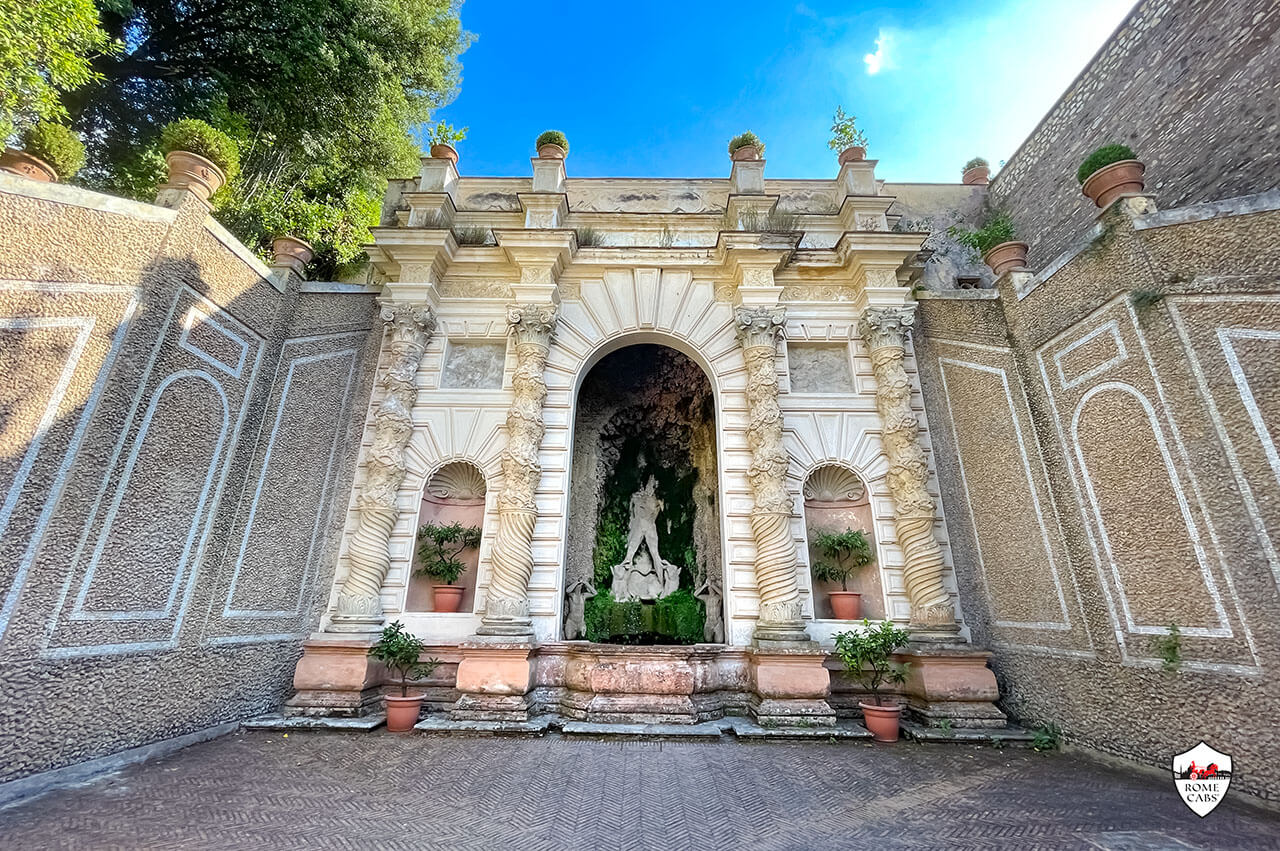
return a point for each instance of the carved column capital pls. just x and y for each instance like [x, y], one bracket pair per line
[532, 323]
[410, 323]
[760, 326]
[886, 326]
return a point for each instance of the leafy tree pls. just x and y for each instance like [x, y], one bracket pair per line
[320, 96]
[843, 554]
[439, 546]
[400, 650]
[868, 655]
[46, 48]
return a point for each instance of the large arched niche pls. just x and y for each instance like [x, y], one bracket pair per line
[644, 410]
[455, 493]
[836, 499]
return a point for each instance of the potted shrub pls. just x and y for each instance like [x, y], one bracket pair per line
[439, 546]
[995, 242]
[401, 652]
[292, 251]
[201, 158]
[552, 144]
[977, 172]
[868, 657]
[843, 554]
[847, 138]
[50, 152]
[746, 146]
[442, 138]
[1109, 172]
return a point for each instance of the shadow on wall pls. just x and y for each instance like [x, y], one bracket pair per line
[173, 460]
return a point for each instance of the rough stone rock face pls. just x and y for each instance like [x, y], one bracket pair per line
[646, 410]
[178, 432]
[1191, 87]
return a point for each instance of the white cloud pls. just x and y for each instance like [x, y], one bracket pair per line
[880, 59]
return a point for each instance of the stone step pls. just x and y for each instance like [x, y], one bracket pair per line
[744, 728]
[995, 736]
[314, 722]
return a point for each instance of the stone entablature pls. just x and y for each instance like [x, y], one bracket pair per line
[670, 273]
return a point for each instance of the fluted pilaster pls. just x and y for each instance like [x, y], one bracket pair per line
[759, 329]
[885, 331]
[507, 602]
[359, 598]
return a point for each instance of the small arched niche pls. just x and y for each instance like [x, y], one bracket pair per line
[836, 499]
[455, 494]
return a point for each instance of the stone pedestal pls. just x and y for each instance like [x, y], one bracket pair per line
[789, 687]
[494, 679]
[335, 677]
[954, 684]
[609, 684]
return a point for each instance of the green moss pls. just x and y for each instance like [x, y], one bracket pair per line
[674, 619]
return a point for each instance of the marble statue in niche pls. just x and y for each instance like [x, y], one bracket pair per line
[575, 622]
[644, 574]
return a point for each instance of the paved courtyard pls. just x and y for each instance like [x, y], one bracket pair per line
[378, 790]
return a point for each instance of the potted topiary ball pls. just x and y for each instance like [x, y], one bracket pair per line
[201, 158]
[442, 138]
[50, 152]
[847, 138]
[439, 546]
[977, 172]
[868, 657]
[552, 144]
[401, 652]
[1109, 172]
[843, 554]
[746, 146]
[995, 242]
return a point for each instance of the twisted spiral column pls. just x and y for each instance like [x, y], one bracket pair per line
[780, 618]
[885, 330]
[507, 602]
[359, 597]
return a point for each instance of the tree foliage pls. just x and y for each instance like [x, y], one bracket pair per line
[46, 49]
[843, 554]
[320, 97]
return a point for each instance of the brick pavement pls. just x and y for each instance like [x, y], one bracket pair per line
[378, 790]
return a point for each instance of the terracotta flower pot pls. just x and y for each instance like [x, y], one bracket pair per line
[1006, 256]
[977, 176]
[441, 151]
[25, 165]
[853, 154]
[194, 172]
[845, 605]
[1110, 182]
[291, 251]
[552, 152]
[446, 598]
[882, 721]
[403, 712]
[745, 153]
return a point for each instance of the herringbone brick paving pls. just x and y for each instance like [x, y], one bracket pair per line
[385, 791]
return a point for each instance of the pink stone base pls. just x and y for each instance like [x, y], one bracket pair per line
[789, 688]
[952, 684]
[336, 677]
[494, 679]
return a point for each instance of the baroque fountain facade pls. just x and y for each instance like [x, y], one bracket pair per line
[639, 389]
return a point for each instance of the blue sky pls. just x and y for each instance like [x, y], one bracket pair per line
[657, 89]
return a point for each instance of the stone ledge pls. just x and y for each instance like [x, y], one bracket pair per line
[439, 724]
[1010, 735]
[704, 730]
[746, 729]
[315, 722]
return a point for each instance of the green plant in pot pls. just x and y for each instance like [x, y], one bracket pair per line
[847, 138]
[746, 146]
[50, 152]
[843, 555]
[443, 139]
[401, 652]
[976, 172]
[552, 144]
[995, 242]
[201, 158]
[867, 655]
[1109, 172]
[439, 548]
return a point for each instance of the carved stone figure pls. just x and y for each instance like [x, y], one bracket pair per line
[507, 603]
[644, 574]
[359, 598]
[713, 628]
[885, 331]
[575, 622]
[776, 559]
